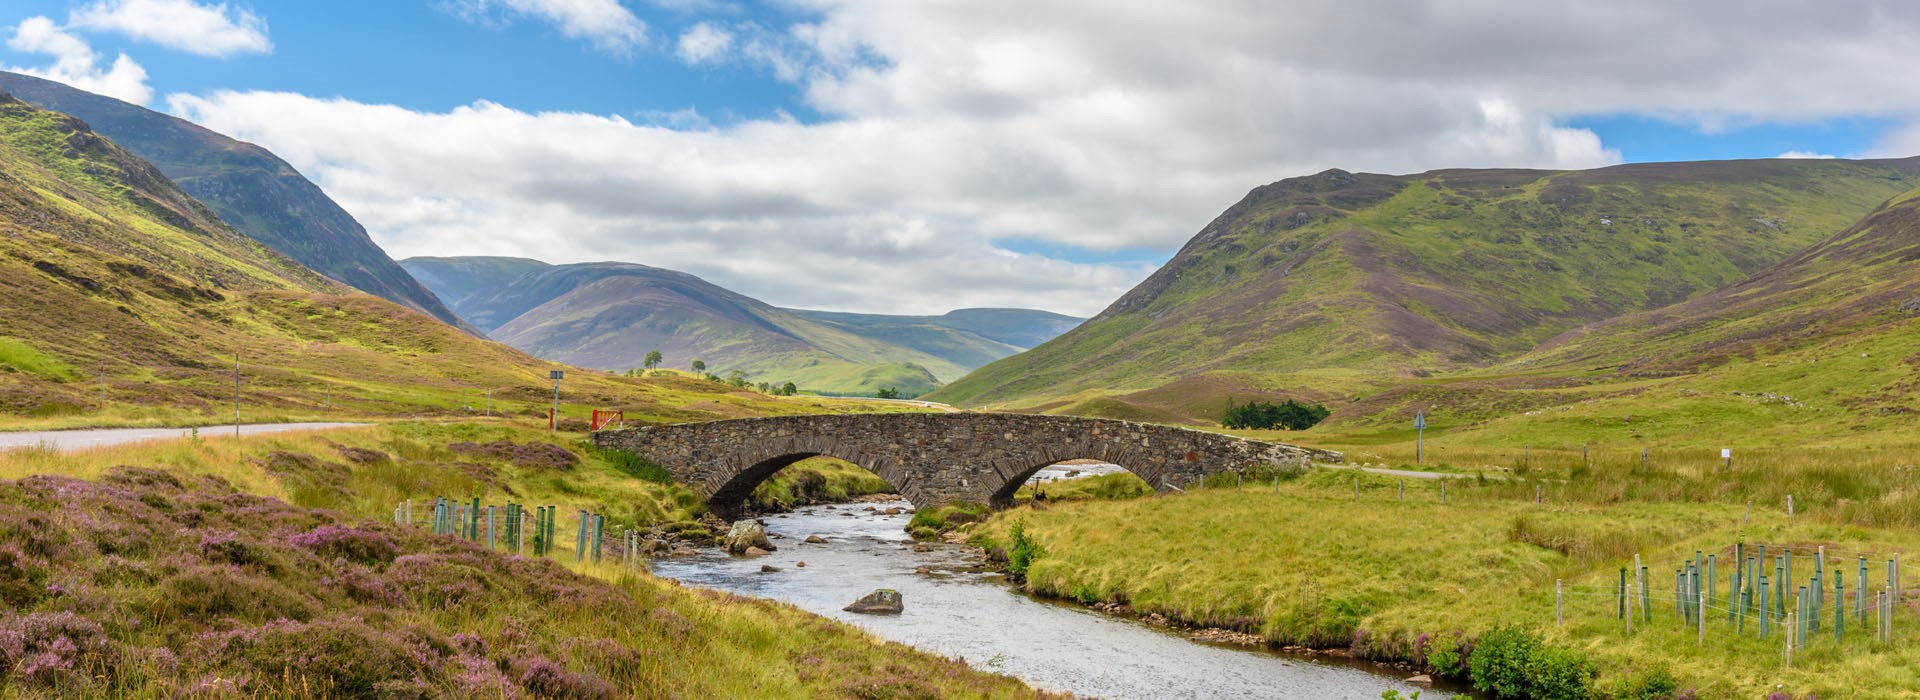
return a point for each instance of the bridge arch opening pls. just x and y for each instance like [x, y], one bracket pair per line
[796, 479]
[1072, 479]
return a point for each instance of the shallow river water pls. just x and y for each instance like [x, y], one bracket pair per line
[1054, 646]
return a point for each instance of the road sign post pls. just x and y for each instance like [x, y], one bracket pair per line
[1420, 439]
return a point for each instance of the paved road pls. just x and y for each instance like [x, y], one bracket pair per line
[71, 440]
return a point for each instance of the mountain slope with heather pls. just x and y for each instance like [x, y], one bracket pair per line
[123, 300]
[609, 315]
[1330, 285]
[1819, 348]
[250, 189]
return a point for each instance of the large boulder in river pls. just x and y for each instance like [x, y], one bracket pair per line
[746, 534]
[885, 601]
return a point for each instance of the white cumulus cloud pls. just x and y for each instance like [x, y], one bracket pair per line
[1807, 155]
[75, 62]
[182, 25]
[703, 43]
[606, 23]
[1093, 127]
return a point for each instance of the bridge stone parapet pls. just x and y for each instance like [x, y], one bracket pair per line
[935, 458]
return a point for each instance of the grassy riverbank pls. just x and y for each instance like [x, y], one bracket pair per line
[220, 561]
[1307, 561]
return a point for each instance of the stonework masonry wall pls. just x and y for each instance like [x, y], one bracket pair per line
[935, 458]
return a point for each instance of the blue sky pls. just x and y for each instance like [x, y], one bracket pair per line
[427, 55]
[914, 156]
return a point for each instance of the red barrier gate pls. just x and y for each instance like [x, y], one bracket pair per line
[602, 419]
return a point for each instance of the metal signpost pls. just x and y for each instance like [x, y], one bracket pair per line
[553, 419]
[1420, 441]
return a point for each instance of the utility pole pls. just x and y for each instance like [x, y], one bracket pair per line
[489, 403]
[553, 419]
[236, 394]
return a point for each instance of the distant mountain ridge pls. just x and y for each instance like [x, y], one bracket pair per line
[247, 186]
[1331, 285]
[608, 315]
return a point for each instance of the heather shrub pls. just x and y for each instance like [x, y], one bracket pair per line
[352, 544]
[22, 581]
[343, 657]
[530, 455]
[551, 679]
[52, 648]
[436, 580]
[213, 592]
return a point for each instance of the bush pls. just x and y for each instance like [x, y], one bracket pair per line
[1260, 415]
[1657, 684]
[1447, 656]
[1022, 550]
[1514, 663]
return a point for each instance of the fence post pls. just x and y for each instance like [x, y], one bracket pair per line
[580, 540]
[599, 524]
[1860, 594]
[1766, 608]
[1620, 594]
[1559, 603]
[1646, 611]
[1702, 621]
[1839, 610]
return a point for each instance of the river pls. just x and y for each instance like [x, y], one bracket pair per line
[1055, 646]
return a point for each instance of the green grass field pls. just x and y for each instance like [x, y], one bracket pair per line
[1391, 571]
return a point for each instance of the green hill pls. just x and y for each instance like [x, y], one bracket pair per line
[1332, 285]
[1818, 349]
[609, 315]
[470, 285]
[249, 188]
[123, 300]
[967, 337]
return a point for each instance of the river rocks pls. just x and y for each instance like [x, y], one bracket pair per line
[922, 547]
[885, 601]
[954, 537]
[769, 569]
[755, 552]
[891, 511]
[1422, 679]
[747, 534]
[815, 539]
[1224, 636]
[924, 571]
[799, 565]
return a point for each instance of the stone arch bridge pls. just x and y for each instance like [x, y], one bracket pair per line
[934, 458]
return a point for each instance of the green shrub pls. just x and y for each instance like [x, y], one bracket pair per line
[1022, 550]
[1260, 415]
[1447, 656]
[1657, 684]
[1514, 663]
[1499, 662]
